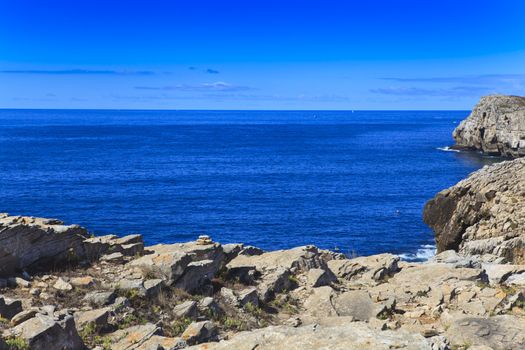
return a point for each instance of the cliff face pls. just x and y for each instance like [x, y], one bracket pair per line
[496, 126]
[483, 214]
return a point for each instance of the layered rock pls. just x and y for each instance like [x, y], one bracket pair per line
[496, 126]
[35, 243]
[483, 214]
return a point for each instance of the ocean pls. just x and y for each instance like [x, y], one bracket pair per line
[350, 181]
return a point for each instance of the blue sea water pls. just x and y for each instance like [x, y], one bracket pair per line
[353, 181]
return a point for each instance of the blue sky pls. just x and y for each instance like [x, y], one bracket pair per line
[152, 54]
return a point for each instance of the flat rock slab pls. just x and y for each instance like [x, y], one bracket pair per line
[345, 336]
[499, 332]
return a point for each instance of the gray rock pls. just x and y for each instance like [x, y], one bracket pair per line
[153, 287]
[187, 309]
[30, 243]
[355, 303]
[42, 331]
[132, 338]
[374, 268]
[22, 317]
[496, 126]
[248, 295]
[200, 332]
[339, 334]
[97, 317]
[60, 284]
[210, 307]
[320, 277]
[100, 298]
[499, 332]
[483, 214]
[9, 307]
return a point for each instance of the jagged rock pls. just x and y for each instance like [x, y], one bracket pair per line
[199, 332]
[97, 317]
[23, 316]
[114, 258]
[496, 126]
[100, 298]
[130, 245]
[498, 332]
[248, 295]
[133, 338]
[320, 277]
[498, 273]
[319, 303]
[60, 284]
[158, 342]
[210, 307]
[336, 336]
[149, 288]
[516, 280]
[42, 331]
[9, 307]
[186, 265]
[18, 282]
[187, 309]
[452, 257]
[483, 214]
[37, 243]
[374, 268]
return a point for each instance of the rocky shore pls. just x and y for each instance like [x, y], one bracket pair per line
[63, 288]
[496, 126]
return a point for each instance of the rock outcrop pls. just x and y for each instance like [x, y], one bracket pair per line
[496, 126]
[35, 243]
[483, 214]
[203, 295]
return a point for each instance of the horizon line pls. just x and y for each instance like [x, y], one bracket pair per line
[235, 110]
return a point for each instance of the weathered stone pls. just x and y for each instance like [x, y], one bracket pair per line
[338, 336]
[132, 338]
[97, 317]
[199, 332]
[499, 332]
[498, 273]
[248, 295]
[320, 277]
[153, 287]
[373, 268]
[37, 243]
[100, 298]
[82, 282]
[157, 342]
[496, 126]
[210, 307]
[60, 284]
[355, 303]
[483, 214]
[22, 317]
[18, 282]
[187, 309]
[197, 274]
[9, 307]
[42, 331]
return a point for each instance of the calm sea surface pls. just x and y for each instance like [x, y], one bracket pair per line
[340, 180]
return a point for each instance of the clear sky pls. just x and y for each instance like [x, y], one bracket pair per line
[259, 54]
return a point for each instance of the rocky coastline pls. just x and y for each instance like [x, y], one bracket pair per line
[63, 288]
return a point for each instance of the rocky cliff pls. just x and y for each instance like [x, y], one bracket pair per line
[206, 295]
[496, 126]
[483, 214]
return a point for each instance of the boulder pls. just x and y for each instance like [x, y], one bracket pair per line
[496, 126]
[320, 277]
[355, 303]
[100, 298]
[483, 214]
[9, 307]
[374, 268]
[157, 342]
[187, 309]
[188, 266]
[41, 331]
[97, 317]
[23, 316]
[200, 332]
[37, 243]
